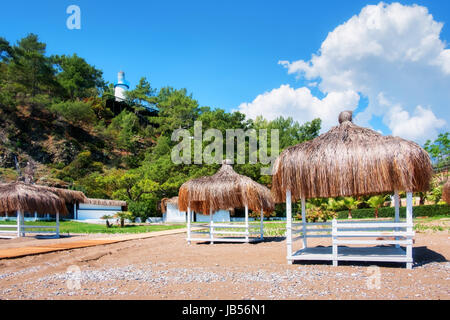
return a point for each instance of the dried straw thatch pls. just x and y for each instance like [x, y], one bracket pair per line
[29, 198]
[69, 196]
[166, 201]
[224, 190]
[350, 160]
[104, 202]
[446, 192]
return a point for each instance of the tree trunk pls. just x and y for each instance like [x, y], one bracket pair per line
[349, 213]
[376, 213]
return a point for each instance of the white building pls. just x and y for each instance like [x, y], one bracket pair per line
[121, 87]
[95, 209]
[169, 208]
[218, 216]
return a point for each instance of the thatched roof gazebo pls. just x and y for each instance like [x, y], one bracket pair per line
[225, 190]
[349, 160]
[20, 198]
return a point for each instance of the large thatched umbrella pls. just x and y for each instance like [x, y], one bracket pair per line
[350, 160]
[20, 198]
[29, 198]
[224, 190]
[446, 192]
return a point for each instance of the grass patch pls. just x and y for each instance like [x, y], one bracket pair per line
[82, 227]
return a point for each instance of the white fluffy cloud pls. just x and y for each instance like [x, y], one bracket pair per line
[391, 54]
[301, 105]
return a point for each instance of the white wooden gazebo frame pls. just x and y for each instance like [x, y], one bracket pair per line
[20, 229]
[353, 233]
[214, 235]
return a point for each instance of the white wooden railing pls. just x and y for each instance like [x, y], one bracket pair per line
[20, 228]
[349, 238]
[211, 233]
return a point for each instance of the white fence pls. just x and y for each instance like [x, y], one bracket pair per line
[225, 231]
[20, 229]
[220, 232]
[350, 240]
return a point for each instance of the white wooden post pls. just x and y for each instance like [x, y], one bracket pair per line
[211, 224]
[397, 213]
[409, 220]
[246, 223]
[261, 226]
[189, 225]
[35, 216]
[305, 236]
[289, 226]
[57, 224]
[6, 215]
[19, 224]
[335, 248]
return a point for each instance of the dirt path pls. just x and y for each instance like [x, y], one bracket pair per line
[168, 268]
[20, 247]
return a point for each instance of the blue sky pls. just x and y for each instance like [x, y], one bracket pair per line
[224, 52]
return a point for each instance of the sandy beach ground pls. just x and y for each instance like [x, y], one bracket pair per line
[167, 267]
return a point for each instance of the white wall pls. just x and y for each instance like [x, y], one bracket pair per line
[173, 215]
[218, 216]
[94, 211]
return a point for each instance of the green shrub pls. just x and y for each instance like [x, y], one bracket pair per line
[76, 112]
[389, 212]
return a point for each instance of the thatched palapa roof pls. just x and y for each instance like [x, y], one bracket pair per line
[350, 160]
[69, 196]
[224, 190]
[104, 202]
[446, 192]
[29, 198]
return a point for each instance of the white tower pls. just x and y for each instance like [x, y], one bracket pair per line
[121, 86]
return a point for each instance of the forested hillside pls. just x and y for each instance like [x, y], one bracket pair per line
[56, 115]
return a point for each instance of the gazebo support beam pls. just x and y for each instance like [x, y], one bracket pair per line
[397, 212]
[57, 224]
[246, 223]
[305, 236]
[189, 225]
[409, 221]
[211, 226]
[289, 226]
[261, 227]
[19, 224]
